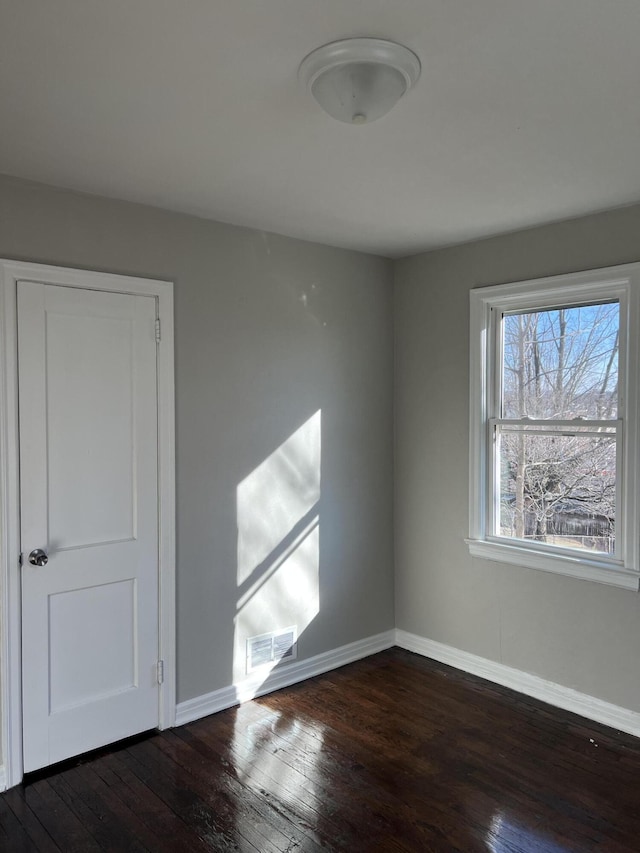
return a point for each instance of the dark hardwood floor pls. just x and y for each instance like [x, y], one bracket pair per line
[392, 753]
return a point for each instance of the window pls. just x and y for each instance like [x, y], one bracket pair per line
[553, 424]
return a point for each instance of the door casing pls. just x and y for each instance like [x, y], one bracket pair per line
[11, 769]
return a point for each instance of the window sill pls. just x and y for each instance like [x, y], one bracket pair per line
[574, 567]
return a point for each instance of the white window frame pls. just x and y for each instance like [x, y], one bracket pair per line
[488, 304]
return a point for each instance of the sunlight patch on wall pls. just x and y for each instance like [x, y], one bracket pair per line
[279, 541]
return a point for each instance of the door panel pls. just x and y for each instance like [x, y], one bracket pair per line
[103, 664]
[77, 349]
[88, 474]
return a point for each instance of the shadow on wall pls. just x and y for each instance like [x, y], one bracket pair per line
[278, 519]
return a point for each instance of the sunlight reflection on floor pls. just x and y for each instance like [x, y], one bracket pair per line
[282, 757]
[510, 836]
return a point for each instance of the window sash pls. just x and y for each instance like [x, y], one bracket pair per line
[575, 427]
[496, 425]
[612, 430]
[499, 313]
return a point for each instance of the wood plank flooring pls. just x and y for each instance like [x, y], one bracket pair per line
[393, 753]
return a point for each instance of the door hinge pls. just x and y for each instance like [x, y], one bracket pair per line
[158, 330]
[160, 671]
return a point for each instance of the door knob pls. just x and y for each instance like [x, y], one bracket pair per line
[38, 557]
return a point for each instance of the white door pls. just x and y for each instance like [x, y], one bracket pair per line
[89, 501]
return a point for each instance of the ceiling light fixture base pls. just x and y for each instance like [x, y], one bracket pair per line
[359, 80]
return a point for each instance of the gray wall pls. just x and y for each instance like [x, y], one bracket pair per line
[577, 633]
[269, 330]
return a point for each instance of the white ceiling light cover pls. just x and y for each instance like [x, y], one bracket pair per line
[359, 80]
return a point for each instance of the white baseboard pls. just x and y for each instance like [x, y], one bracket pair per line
[554, 694]
[257, 684]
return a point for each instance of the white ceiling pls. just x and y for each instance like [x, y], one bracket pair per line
[527, 111]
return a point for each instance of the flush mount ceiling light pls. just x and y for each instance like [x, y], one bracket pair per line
[359, 80]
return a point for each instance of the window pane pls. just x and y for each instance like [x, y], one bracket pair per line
[558, 490]
[561, 363]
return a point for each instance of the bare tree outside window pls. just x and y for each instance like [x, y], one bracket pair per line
[557, 479]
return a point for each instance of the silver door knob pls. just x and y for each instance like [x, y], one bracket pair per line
[38, 557]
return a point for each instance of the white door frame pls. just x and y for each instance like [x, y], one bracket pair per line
[11, 768]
